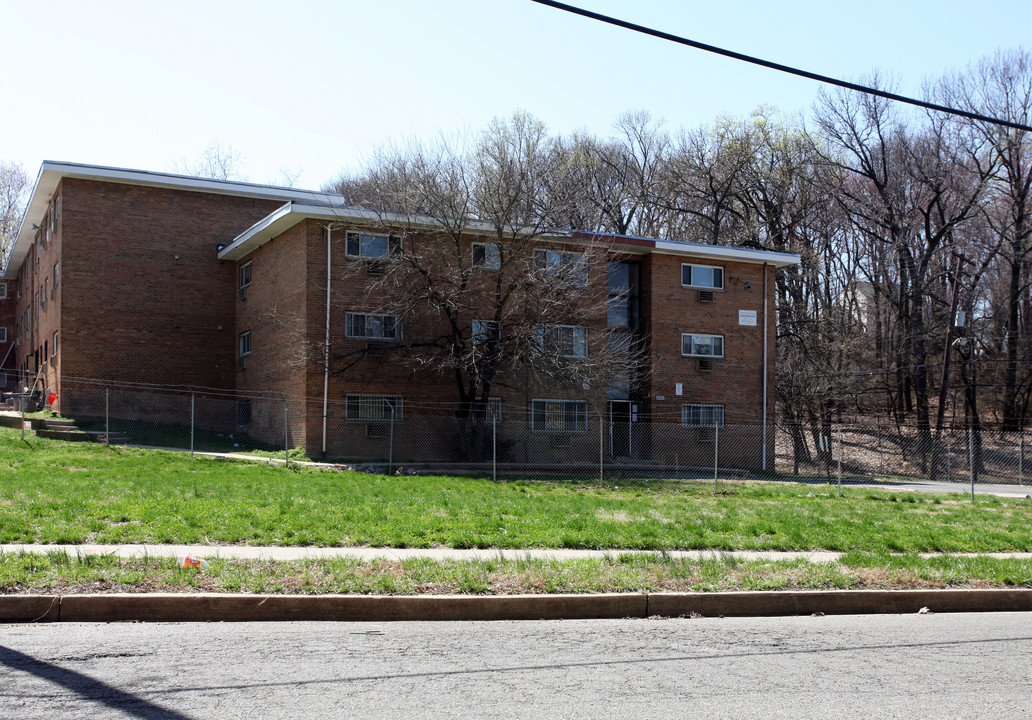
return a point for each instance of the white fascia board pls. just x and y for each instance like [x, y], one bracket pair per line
[727, 254]
[286, 217]
[51, 173]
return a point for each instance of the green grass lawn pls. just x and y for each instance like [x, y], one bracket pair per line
[57, 492]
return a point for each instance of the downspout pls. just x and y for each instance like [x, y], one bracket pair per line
[766, 370]
[326, 344]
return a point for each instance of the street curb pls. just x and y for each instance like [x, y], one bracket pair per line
[218, 607]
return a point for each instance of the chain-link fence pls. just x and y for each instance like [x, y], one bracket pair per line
[563, 442]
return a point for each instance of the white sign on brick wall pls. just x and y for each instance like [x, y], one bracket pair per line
[747, 317]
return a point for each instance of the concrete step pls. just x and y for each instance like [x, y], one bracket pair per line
[52, 424]
[67, 435]
[114, 438]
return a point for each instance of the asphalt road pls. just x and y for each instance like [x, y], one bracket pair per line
[913, 666]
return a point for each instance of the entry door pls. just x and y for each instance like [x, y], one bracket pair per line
[620, 428]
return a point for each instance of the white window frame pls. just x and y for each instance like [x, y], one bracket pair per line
[486, 331]
[245, 274]
[393, 245]
[358, 407]
[706, 415]
[567, 265]
[350, 326]
[691, 267]
[245, 343]
[559, 425]
[491, 256]
[3, 290]
[687, 351]
[551, 340]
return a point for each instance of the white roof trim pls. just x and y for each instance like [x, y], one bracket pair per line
[51, 173]
[729, 254]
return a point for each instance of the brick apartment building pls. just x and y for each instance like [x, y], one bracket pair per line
[154, 279]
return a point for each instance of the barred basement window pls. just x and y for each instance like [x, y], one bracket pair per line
[492, 411]
[372, 408]
[559, 416]
[693, 415]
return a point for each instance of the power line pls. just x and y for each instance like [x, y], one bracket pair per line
[778, 66]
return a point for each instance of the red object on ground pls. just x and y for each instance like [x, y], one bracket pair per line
[51, 398]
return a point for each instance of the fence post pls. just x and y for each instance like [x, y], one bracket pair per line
[949, 460]
[192, 416]
[601, 449]
[1021, 458]
[716, 457]
[286, 436]
[881, 453]
[839, 434]
[971, 460]
[390, 448]
[494, 448]
[107, 417]
[21, 404]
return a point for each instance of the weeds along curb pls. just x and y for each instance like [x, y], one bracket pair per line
[219, 607]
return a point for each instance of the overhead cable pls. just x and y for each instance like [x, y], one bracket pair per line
[778, 66]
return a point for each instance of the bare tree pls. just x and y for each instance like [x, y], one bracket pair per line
[14, 185]
[488, 295]
[219, 161]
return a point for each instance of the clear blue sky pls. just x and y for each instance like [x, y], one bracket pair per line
[314, 87]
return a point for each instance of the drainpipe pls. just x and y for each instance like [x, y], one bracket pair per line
[766, 370]
[326, 345]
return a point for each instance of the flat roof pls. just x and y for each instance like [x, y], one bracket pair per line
[302, 204]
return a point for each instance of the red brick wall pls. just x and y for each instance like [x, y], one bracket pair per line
[144, 297]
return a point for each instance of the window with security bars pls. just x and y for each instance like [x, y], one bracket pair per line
[492, 410]
[695, 415]
[373, 408]
[566, 416]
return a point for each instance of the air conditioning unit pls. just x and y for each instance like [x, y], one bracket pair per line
[3, 291]
[375, 349]
[705, 296]
[243, 362]
[243, 293]
[706, 364]
[376, 267]
[705, 434]
[561, 441]
[376, 430]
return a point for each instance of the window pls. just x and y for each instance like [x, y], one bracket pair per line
[487, 256]
[370, 408]
[692, 415]
[485, 331]
[566, 266]
[3, 334]
[57, 278]
[562, 340]
[53, 349]
[702, 345]
[245, 343]
[245, 274]
[492, 410]
[559, 415]
[3, 291]
[46, 290]
[362, 245]
[702, 276]
[372, 327]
